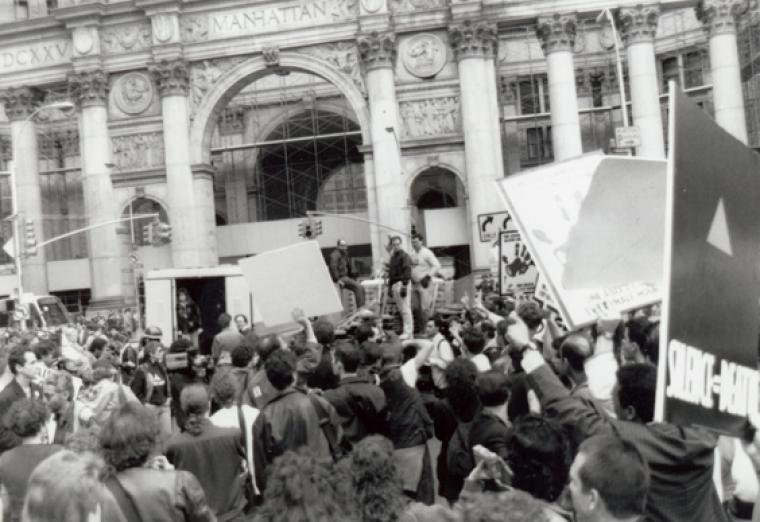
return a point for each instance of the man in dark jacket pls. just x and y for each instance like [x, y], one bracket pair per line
[22, 363]
[341, 273]
[360, 403]
[291, 419]
[399, 277]
[680, 458]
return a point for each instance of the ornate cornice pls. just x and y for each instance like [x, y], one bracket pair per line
[377, 49]
[171, 76]
[721, 16]
[473, 38]
[638, 24]
[557, 32]
[20, 102]
[89, 88]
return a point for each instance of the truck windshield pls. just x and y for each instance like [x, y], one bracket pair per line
[53, 311]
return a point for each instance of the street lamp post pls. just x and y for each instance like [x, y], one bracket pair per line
[62, 105]
[606, 13]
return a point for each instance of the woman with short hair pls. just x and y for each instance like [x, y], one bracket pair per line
[128, 440]
[66, 487]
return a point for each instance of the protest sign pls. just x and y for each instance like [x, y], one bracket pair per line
[517, 270]
[709, 333]
[291, 277]
[593, 226]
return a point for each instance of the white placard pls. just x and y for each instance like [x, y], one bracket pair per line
[594, 226]
[294, 276]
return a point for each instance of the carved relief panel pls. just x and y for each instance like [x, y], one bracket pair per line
[431, 117]
[138, 151]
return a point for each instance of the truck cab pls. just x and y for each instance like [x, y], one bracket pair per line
[35, 311]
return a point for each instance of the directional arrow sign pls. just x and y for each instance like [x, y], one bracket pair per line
[8, 248]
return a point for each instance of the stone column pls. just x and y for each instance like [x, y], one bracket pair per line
[720, 18]
[193, 243]
[494, 115]
[90, 91]
[638, 27]
[377, 52]
[472, 43]
[557, 36]
[20, 103]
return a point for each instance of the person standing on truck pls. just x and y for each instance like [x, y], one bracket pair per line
[342, 274]
[188, 317]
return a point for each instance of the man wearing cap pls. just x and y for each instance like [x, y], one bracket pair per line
[341, 273]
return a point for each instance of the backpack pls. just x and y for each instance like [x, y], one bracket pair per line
[460, 460]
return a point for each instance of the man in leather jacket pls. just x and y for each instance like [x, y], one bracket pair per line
[147, 492]
[290, 420]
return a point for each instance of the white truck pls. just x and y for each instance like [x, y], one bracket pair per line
[213, 290]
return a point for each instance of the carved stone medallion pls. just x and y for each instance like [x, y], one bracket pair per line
[371, 6]
[425, 55]
[163, 27]
[83, 40]
[133, 93]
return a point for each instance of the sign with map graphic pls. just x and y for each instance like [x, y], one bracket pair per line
[593, 226]
[707, 372]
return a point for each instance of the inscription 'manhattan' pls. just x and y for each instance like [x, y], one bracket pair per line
[269, 17]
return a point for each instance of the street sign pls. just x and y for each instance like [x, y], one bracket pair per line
[627, 137]
[709, 334]
[490, 224]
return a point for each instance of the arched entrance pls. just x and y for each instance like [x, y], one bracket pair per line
[439, 212]
[285, 141]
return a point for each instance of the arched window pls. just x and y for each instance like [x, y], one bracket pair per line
[285, 145]
[437, 187]
[143, 205]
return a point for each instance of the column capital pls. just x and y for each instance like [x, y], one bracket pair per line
[89, 88]
[638, 24]
[557, 32]
[20, 102]
[172, 77]
[377, 49]
[720, 16]
[473, 39]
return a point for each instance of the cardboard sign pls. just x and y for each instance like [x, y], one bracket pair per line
[709, 331]
[291, 277]
[517, 270]
[492, 223]
[593, 226]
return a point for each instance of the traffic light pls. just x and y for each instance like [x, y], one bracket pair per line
[304, 230]
[162, 233]
[148, 233]
[317, 228]
[30, 238]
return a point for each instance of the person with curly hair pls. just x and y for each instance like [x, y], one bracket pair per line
[128, 440]
[67, 487]
[301, 487]
[26, 420]
[377, 490]
[509, 506]
[540, 456]
[58, 390]
[214, 455]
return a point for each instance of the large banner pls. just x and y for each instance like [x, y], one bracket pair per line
[593, 225]
[709, 333]
[291, 277]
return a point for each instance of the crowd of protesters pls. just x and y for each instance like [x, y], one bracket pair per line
[489, 412]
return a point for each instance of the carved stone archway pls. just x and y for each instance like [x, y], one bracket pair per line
[241, 75]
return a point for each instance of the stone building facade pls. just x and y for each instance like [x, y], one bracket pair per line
[232, 119]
